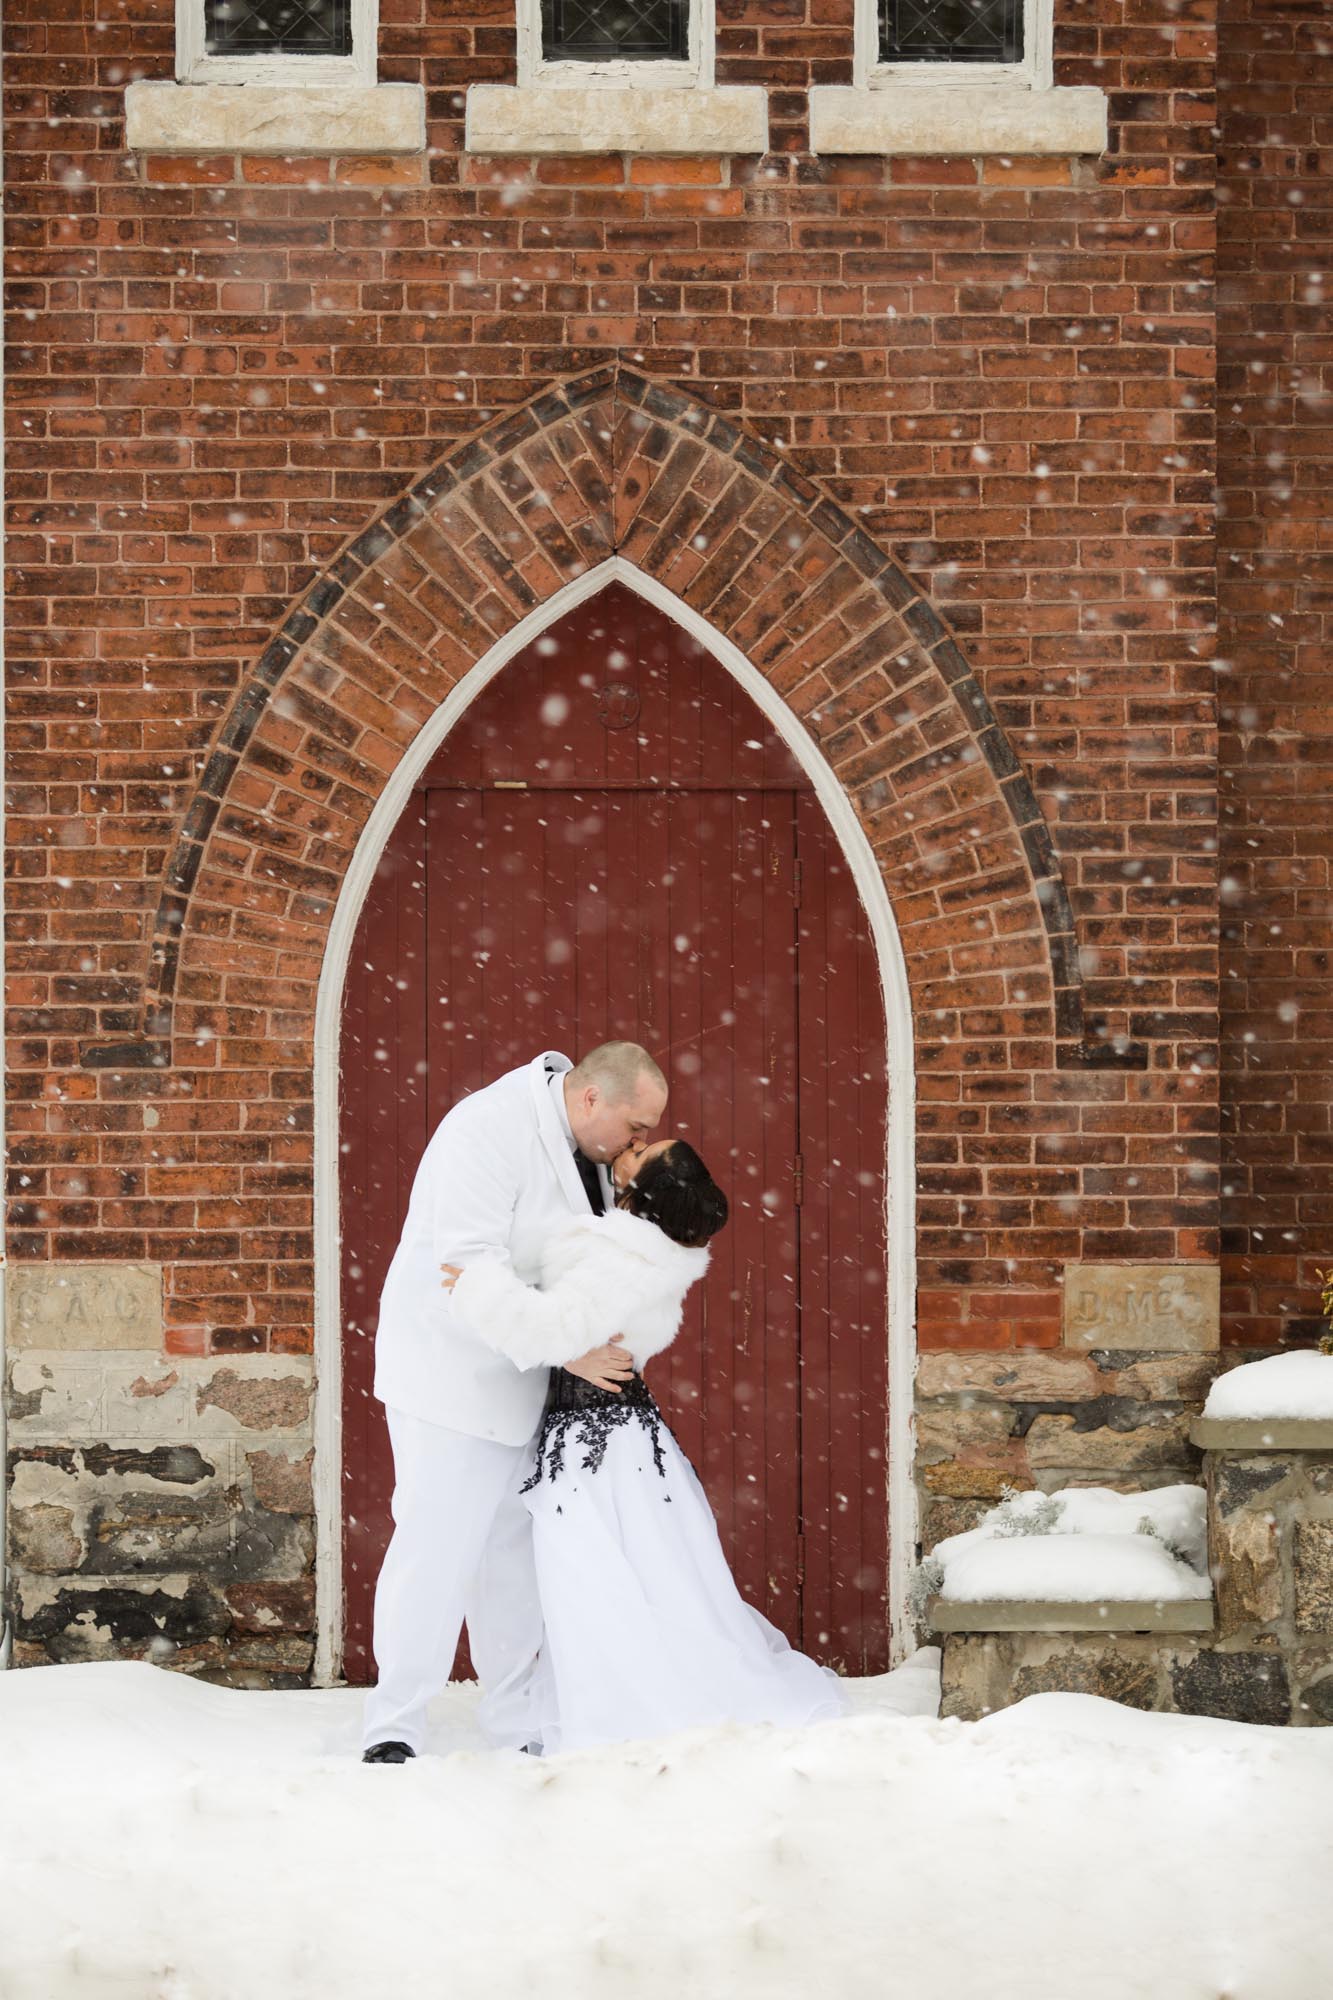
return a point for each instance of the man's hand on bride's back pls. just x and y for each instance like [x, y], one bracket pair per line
[605, 1367]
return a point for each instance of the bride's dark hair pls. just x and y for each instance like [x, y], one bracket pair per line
[676, 1191]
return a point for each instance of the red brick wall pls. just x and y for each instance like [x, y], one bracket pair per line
[1276, 613]
[222, 370]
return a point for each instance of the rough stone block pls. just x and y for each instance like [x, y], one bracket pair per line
[1314, 1576]
[1161, 1378]
[1159, 1445]
[1314, 1677]
[89, 1306]
[983, 1672]
[99, 1621]
[1032, 1377]
[284, 1485]
[946, 1517]
[1238, 1482]
[1237, 1687]
[54, 1395]
[272, 1608]
[969, 1482]
[1092, 1668]
[43, 1539]
[1172, 1308]
[1245, 1550]
[137, 1532]
[273, 1400]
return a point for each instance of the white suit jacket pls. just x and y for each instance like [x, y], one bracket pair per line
[601, 1274]
[496, 1178]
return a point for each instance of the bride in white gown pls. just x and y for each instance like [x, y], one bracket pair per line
[645, 1631]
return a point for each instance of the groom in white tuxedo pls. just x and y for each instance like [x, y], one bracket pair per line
[502, 1168]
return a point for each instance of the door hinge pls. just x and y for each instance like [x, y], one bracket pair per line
[798, 1179]
[510, 785]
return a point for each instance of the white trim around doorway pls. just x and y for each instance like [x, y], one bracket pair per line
[900, 1179]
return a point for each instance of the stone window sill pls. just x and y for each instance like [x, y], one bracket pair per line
[957, 119]
[1186, 1615]
[265, 118]
[552, 118]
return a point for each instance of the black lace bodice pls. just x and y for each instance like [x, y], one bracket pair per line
[579, 1410]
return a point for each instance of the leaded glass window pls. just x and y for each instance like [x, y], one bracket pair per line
[278, 27]
[615, 30]
[954, 31]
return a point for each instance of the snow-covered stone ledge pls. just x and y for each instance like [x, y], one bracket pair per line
[1282, 1403]
[1262, 1652]
[368, 119]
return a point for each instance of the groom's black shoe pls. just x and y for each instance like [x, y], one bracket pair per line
[388, 1753]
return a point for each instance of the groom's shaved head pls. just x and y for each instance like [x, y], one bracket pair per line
[617, 1069]
[614, 1097]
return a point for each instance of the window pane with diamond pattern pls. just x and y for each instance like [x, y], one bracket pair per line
[278, 27]
[604, 30]
[958, 31]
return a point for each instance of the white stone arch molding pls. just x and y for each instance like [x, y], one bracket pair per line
[900, 1179]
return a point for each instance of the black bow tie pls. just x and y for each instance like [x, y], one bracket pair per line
[592, 1181]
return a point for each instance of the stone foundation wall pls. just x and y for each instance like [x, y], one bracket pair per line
[1270, 1659]
[161, 1508]
[1110, 1405]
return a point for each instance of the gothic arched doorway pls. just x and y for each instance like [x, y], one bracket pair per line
[613, 840]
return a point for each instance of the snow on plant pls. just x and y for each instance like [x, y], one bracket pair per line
[1326, 1308]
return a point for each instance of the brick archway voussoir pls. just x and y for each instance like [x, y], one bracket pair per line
[610, 464]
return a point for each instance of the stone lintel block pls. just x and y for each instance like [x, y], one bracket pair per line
[62, 1306]
[950, 119]
[551, 118]
[1259, 1434]
[1032, 1615]
[269, 118]
[1168, 1308]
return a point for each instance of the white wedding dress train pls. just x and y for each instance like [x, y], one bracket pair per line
[645, 1630]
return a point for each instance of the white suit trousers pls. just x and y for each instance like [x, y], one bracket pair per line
[461, 1549]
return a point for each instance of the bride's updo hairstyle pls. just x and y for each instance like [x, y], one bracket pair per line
[676, 1191]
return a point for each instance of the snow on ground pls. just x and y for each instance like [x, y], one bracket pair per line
[163, 1839]
[1299, 1384]
[1086, 1543]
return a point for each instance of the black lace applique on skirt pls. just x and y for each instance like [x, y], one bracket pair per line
[588, 1415]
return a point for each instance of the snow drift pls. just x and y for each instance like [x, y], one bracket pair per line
[167, 1840]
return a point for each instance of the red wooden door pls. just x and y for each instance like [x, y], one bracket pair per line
[614, 842]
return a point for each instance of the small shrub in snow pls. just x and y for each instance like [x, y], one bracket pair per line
[1147, 1526]
[927, 1581]
[1024, 1513]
